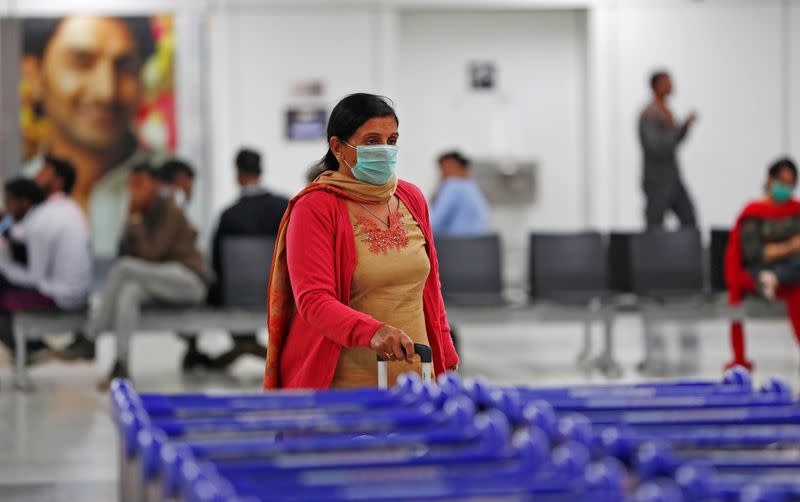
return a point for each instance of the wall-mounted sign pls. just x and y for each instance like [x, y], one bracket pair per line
[483, 75]
[306, 123]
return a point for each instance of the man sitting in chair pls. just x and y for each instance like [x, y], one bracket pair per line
[57, 270]
[258, 212]
[159, 262]
[763, 254]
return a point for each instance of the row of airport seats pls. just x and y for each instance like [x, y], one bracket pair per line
[577, 268]
[680, 441]
[590, 277]
[245, 265]
[586, 277]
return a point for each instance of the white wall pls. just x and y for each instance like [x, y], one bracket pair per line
[793, 81]
[256, 56]
[726, 59]
[577, 100]
[419, 59]
[536, 112]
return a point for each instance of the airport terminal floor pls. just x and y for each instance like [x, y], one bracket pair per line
[58, 441]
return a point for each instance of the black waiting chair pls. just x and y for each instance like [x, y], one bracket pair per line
[246, 265]
[667, 264]
[619, 263]
[571, 271]
[716, 259]
[470, 269]
[568, 268]
[668, 278]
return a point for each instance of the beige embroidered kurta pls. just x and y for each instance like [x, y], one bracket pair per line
[387, 284]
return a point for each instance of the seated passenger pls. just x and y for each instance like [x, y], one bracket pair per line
[57, 269]
[158, 263]
[459, 209]
[763, 254]
[258, 212]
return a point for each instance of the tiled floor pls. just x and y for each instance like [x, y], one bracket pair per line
[57, 444]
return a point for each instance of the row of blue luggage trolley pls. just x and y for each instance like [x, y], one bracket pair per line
[464, 440]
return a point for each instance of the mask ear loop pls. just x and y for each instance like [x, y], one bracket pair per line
[351, 146]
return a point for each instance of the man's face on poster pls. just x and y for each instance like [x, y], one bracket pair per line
[90, 81]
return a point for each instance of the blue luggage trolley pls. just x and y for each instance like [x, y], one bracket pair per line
[464, 440]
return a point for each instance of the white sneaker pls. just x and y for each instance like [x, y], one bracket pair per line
[769, 283]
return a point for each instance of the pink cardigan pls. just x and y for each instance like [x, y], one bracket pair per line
[321, 258]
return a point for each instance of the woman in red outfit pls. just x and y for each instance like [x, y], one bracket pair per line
[763, 254]
[354, 271]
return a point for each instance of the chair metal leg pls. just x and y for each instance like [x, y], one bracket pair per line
[655, 362]
[689, 354]
[21, 380]
[584, 359]
[605, 362]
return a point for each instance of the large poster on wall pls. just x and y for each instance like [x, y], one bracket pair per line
[99, 92]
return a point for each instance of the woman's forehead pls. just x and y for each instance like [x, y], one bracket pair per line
[381, 125]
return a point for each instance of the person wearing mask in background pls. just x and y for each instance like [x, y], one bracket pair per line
[177, 183]
[459, 209]
[158, 262]
[58, 272]
[87, 75]
[21, 196]
[177, 177]
[660, 135]
[258, 212]
[763, 254]
[354, 271]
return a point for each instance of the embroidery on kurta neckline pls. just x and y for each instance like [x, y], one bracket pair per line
[379, 240]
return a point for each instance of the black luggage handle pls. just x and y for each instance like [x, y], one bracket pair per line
[425, 354]
[423, 351]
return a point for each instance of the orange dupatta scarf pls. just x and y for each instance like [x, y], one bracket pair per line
[280, 299]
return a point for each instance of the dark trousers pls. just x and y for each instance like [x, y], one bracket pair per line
[663, 196]
[15, 299]
[787, 271]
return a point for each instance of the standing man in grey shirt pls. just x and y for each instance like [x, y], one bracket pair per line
[660, 135]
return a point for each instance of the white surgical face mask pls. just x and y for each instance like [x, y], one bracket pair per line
[375, 164]
[180, 198]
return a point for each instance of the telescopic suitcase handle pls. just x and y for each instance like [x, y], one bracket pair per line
[426, 356]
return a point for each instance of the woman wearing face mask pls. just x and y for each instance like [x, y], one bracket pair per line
[354, 271]
[763, 254]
